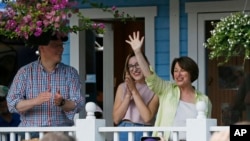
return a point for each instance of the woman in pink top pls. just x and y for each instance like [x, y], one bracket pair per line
[135, 104]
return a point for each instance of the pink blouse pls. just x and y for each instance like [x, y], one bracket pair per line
[132, 113]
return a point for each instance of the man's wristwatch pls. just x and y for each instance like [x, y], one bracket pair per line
[62, 102]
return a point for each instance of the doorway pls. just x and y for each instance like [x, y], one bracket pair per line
[220, 82]
[94, 57]
[77, 49]
[121, 48]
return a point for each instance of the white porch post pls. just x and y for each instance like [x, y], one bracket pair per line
[199, 129]
[87, 129]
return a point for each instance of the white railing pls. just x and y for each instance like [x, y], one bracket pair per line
[91, 129]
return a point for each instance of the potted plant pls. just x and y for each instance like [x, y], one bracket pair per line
[99, 29]
[37, 19]
[230, 37]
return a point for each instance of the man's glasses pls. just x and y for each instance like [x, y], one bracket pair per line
[131, 67]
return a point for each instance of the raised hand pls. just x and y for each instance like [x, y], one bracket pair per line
[135, 41]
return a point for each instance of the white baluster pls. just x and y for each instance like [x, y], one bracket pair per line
[201, 108]
[90, 109]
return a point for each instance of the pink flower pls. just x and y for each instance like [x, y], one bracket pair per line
[63, 16]
[11, 24]
[46, 23]
[99, 28]
[27, 19]
[38, 32]
[39, 23]
[101, 25]
[38, 5]
[94, 25]
[113, 8]
[24, 18]
[57, 19]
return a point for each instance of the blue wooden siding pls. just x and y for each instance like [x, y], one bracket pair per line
[161, 30]
[162, 40]
[66, 53]
[162, 47]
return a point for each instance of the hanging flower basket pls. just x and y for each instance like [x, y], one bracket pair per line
[230, 37]
[31, 19]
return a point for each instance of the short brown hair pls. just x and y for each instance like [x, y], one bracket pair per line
[188, 65]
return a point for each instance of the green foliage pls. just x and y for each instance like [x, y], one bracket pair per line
[230, 37]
